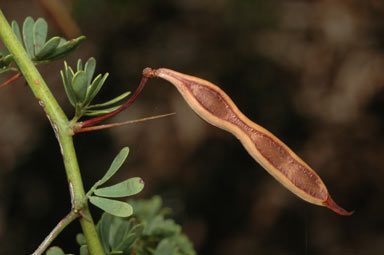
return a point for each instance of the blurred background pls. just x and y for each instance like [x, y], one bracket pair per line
[311, 72]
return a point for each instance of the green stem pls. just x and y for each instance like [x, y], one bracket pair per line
[61, 128]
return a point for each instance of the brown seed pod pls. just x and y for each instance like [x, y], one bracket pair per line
[217, 108]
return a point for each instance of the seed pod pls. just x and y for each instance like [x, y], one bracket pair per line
[214, 106]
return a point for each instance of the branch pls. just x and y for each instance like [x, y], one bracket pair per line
[60, 125]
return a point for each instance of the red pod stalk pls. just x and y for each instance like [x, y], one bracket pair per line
[216, 107]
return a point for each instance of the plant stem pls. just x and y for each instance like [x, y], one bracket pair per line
[55, 232]
[61, 128]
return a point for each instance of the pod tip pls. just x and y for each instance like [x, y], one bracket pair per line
[329, 203]
[149, 72]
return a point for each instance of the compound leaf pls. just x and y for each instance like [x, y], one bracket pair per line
[114, 207]
[40, 30]
[126, 188]
[116, 164]
[28, 36]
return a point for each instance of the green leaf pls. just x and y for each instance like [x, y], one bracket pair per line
[115, 252]
[62, 41]
[67, 82]
[126, 188]
[112, 101]
[95, 87]
[116, 164]
[130, 238]
[90, 69]
[100, 112]
[55, 251]
[65, 47]
[184, 244]
[5, 69]
[166, 247]
[48, 47]
[3, 53]
[16, 30]
[84, 250]
[103, 229]
[28, 36]
[40, 30]
[114, 207]
[118, 230]
[80, 239]
[6, 61]
[79, 65]
[79, 85]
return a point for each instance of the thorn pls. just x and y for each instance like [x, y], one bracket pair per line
[87, 129]
[13, 78]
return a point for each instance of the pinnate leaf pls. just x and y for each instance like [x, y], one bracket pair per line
[28, 36]
[114, 207]
[48, 48]
[112, 101]
[40, 30]
[116, 164]
[55, 251]
[100, 112]
[126, 188]
[80, 84]
[89, 68]
[16, 30]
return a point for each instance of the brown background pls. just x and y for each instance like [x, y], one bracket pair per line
[311, 72]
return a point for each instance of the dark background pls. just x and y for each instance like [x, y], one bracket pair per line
[311, 72]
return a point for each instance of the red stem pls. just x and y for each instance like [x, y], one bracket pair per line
[98, 119]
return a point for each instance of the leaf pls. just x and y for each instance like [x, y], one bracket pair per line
[84, 250]
[28, 36]
[65, 47]
[6, 61]
[112, 101]
[166, 247]
[116, 164]
[118, 230]
[184, 244]
[130, 238]
[101, 112]
[40, 30]
[62, 41]
[68, 85]
[79, 65]
[48, 48]
[90, 69]
[115, 252]
[55, 251]
[5, 69]
[79, 85]
[103, 229]
[3, 52]
[16, 30]
[126, 188]
[95, 87]
[114, 207]
[80, 239]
